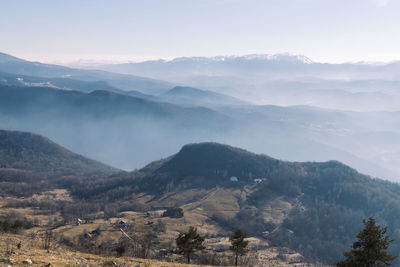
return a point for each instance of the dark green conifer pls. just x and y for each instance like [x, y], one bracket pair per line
[239, 244]
[370, 248]
[189, 243]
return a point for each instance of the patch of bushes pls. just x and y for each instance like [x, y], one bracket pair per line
[11, 227]
[173, 213]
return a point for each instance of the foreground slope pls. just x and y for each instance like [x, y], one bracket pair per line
[64, 257]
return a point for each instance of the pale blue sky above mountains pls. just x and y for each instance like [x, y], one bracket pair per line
[323, 30]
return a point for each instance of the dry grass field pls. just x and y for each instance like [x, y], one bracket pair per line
[196, 213]
[30, 249]
[11, 255]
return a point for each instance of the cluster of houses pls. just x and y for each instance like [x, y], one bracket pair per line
[265, 234]
[120, 224]
[256, 180]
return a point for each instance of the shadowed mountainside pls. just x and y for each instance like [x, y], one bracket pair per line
[31, 152]
[44, 101]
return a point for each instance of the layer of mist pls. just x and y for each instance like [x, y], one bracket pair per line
[126, 128]
[281, 80]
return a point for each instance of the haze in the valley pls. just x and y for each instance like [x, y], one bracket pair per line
[304, 111]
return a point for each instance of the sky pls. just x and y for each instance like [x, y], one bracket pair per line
[129, 30]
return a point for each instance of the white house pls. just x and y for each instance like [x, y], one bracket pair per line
[234, 179]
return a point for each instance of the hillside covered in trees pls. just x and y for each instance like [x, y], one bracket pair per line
[313, 208]
[324, 202]
[30, 163]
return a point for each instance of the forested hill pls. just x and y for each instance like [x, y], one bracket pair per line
[31, 152]
[212, 164]
[44, 104]
[325, 202]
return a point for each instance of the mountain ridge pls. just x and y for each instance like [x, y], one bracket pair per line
[7, 58]
[35, 97]
[11, 64]
[185, 95]
[24, 152]
[273, 57]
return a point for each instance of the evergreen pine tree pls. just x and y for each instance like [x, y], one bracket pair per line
[370, 248]
[189, 243]
[239, 244]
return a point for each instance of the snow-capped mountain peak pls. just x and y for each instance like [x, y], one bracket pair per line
[285, 57]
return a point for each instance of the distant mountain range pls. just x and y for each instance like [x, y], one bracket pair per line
[178, 95]
[135, 130]
[264, 79]
[196, 97]
[108, 126]
[55, 104]
[278, 64]
[281, 80]
[13, 65]
[59, 83]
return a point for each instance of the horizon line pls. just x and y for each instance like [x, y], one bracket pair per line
[126, 59]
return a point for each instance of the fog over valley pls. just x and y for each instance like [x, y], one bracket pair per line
[145, 119]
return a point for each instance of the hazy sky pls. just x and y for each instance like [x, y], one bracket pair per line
[324, 30]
